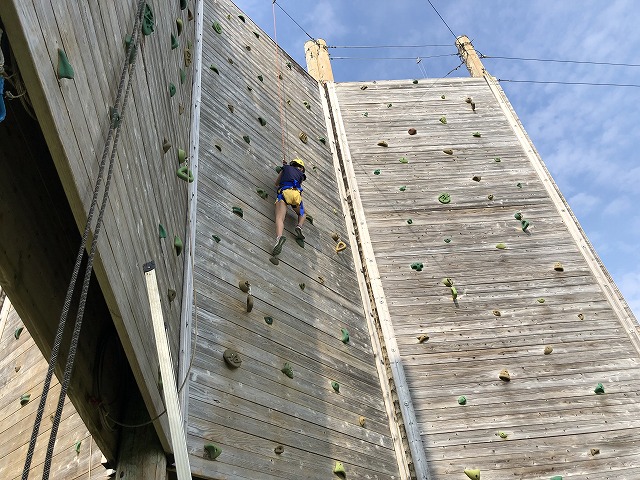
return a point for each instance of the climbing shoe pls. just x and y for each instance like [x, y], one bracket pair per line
[299, 233]
[277, 248]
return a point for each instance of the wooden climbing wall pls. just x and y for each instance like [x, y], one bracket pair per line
[510, 303]
[22, 369]
[74, 115]
[309, 297]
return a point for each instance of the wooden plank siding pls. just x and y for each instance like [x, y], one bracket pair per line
[251, 410]
[74, 116]
[549, 409]
[22, 369]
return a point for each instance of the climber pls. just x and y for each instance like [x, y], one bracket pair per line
[289, 186]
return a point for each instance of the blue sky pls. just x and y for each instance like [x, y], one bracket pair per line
[586, 135]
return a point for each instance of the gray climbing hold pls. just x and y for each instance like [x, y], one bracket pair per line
[232, 358]
[244, 285]
[166, 145]
[171, 294]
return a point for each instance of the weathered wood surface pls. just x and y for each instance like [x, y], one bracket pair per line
[74, 116]
[549, 409]
[251, 410]
[22, 369]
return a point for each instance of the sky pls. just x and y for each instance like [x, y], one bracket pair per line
[586, 135]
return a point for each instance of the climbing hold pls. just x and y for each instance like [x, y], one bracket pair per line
[519, 185]
[454, 293]
[417, 266]
[177, 243]
[557, 477]
[115, 117]
[501, 246]
[524, 225]
[214, 68]
[409, 221]
[447, 240]
[182, 155]
[365, 114]
[462, 400]
[187, 57]
[468, 100]
[490, 196]
[278, 168]
[172, 89]
[212, 451]
[517, 215]
[216, 238]
[174, 42]
[448, 151]
[403, 160]
[412, 131]
[345, 335]
[303, 137]
[263, 194]
[218, 147]
[262, 121]
[171, 294]
[217, 27]
[268, 320]
[127, 44]
[476, 178]
[183, 76]
[502, 434]
[447, 282]
[147, 20]
[497, 313]
[162, 232]
[402, 188]
[249, 303]
[541, 300]
[302, 286]
[548, 349]
[376, 172]
[238, 211]
[364, 87]
[183, 4]
[362, 421]
[341, 246]
[244, 285]
[443, 120]
[189, 15]
[594, 451]
[336, 386]
[17, 332]
[581, 316]
[77, 446]
[415, 82]
[241, 17]
[310, 218]
[322, 140]
[166, 145]
[179, 25]
[497, 160]
[278, 450]
[65, 70]
[389, 105]
[321, 280]
[599, 389]
[423, 338]
[287, 370]
[24, 399]
[232, 358]
[558, 267]
[444, 198]
[246, 138]
[339, 470]
[335, 236]
[307, 104]
[442, 97]
[473, 474]
[261, 78]
[476, 134]
[256, 34]
[382, 143]
[504, 376]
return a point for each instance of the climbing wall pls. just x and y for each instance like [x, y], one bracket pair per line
[70, 55]
[518, 362]
[302, 391]
[22, 369]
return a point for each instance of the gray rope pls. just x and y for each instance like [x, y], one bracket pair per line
[67, 303]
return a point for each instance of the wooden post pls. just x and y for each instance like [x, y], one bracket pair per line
[470, 57]
[318, 62]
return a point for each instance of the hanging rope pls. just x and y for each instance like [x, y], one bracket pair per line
[114, 127]
[280, 82]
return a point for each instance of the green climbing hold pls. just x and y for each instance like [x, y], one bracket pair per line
[310, 219]
[339, 470]
[183, 76]
[179, 26]
[443, 120]
[389, 105]
[127, 44]
[262, 121]
[17, 332]
[241, 17]
[517, 216]
[336, 386]
[115, 117]
[185, 174]
[246, 138]
[262, 193]
[442, 97]
[162, 232]
[216, 238]
[599, 389]
[256, 34]
[287, 370]
[65, 70]
[415, 82]
[183, 4]
[147, 20]
[477, 134]
[402, 188]
[214, 68]
[278, 168]
[302, 286]
[501, 246]
[212, 451]
[454, 292]
[519, 185]
[218, 147]
[289, 66]
[307, 104]
[345, 335]
[268, 320]
[404, 160]
[557, 477]
[462, 400]
[217, 27]
[365, 114]
[172, 89]
[473, 474]
[417, 266]
[447, 282]
[322, 140]
[261, 78]
[409, 221]
[238, 211]
[497, 160]
[174, 42]
[503, 434]
[182, 155]
[444, 198]
[541, 300]
[525, 225]
[24, 399]
[177, 243]
[376, 172]
[77, 446]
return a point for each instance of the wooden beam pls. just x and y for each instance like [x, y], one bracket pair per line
[470, 57]
[318, 62]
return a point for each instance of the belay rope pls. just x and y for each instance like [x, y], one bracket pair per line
[116, 117]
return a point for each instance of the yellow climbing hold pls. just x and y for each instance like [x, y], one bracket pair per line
[473, 474]
[503, 434]
[504, 376]
[341, 246]
[423, 338]
[339, 470]
[362, 421]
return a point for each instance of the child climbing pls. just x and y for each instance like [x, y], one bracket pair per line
[289, 186]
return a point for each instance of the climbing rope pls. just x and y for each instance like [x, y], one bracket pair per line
[114, 127]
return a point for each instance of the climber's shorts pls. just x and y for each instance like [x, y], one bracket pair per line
[290, 196]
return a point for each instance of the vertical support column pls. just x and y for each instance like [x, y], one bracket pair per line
[470, 57]
[318, 62]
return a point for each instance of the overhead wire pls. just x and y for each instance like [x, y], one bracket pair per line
[388, 46]
[443, 21]
[395, 58]
[571, 83]
[579, 62]
[293, 20]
